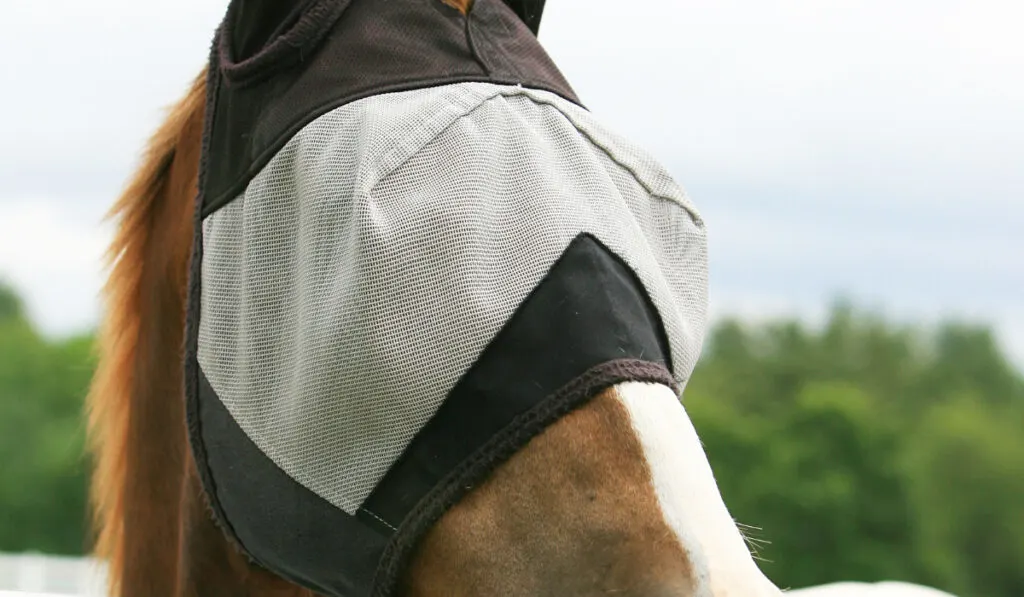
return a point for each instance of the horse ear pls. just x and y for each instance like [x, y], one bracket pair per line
[529, 11]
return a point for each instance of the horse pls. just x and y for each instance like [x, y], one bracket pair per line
[613, 497]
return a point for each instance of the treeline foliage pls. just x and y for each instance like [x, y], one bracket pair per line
[43, 473]
[860, 451]
[868, 451]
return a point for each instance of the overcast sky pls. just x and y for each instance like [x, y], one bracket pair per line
[866, 148]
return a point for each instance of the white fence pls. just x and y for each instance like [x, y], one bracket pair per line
[32, 575]
[858, 589]
[50, 576]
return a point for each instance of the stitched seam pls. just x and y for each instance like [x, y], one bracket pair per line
[452, 102]
[503, 91]
[697, 220]
[235, 189]
[540, 101]
[500, 448]
[380, 520]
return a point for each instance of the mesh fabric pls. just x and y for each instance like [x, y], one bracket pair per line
[365, 269]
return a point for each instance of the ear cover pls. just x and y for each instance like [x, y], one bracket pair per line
[529, 11]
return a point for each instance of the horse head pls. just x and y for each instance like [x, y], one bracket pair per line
[600, 486]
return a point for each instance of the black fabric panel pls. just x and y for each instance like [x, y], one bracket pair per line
[339, 51]
[589, 310]
[283, 526]
[192, 316]
[497, 450]
[258, 23]
[588, 325]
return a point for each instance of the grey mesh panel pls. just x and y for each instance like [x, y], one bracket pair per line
[367, 266]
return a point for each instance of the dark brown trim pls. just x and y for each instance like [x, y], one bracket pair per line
[500, 448]
[281, 65]
[590, 308]
[298, 36]
[192, 316]
[260, 161]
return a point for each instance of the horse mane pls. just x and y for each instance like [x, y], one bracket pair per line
[142, 252]
[462, 5]
[135, 405]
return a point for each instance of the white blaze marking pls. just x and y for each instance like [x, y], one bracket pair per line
[689, 496]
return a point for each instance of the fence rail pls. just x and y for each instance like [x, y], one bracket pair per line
[36, 575]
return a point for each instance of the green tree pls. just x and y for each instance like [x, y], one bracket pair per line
[869, 451]
[966, 467]
[863, 450]
[43, 474]
[10, 304]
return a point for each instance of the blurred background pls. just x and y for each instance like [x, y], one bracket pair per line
[860, 166]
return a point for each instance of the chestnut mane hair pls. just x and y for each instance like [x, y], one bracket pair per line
[136, 405]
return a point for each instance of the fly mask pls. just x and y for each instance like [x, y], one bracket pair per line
[414, 250]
